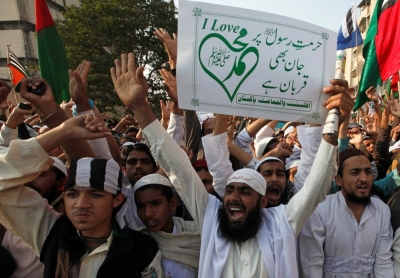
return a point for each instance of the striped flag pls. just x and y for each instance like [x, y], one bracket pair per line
[17, 70]
[349, 35]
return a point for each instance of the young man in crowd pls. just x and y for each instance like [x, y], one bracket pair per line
[86, 242]
[49, 184]
[178, 240]
[349, 234]
[238, 236]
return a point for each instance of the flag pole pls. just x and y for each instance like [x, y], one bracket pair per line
[10, 73]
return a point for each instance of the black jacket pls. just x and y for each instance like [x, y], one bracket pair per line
[129, 255]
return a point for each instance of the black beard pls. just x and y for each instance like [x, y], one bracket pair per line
[353, 198]
[236, 231]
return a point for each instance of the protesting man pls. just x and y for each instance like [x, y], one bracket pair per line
[86, 243]
[239, 238]
[349, 234]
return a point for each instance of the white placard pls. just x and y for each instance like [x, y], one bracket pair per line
[249, 63]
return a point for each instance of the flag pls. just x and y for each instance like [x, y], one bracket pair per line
[53, 60]
[381, 47]
[349, 34]
[17, 70]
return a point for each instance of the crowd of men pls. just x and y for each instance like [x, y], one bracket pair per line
[83, 196]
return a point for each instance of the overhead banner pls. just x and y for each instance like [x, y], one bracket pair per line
[248, 63]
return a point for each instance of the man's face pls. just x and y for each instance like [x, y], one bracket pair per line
[239, 200]
[356, 180]
[154, 210]
[46, 185]
[138, 164]
[90, 210]
[207, 180]
[132, 134]
[274, 174]
[240, 217]
[369, 145]
[209, 126]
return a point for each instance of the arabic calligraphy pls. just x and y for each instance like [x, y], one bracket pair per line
[291, 104]
[218, 57]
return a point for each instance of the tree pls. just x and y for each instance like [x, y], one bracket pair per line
[99, 31]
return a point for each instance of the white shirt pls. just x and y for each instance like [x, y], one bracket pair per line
[173, 269]
[189, 186]
[333, 244]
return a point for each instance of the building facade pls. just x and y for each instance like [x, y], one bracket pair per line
[17, 30]
[354, 57]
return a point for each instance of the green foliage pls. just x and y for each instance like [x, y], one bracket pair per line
[99, 31]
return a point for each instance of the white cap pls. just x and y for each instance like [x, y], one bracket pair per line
[268, 158]
[127, 144]
[288, 130]
[395, 146]
[250, 177]
[151, 179]
[261, 145]
[59, 165]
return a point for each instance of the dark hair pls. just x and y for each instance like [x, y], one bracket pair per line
[59, 174]
[166, 191]
[126, 137]
[130, 129]
[137, 147]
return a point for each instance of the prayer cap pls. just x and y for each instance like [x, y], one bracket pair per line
[260, 146]
[288, 130]
[59, 165]
[347, 153]
[151, 179]
[100, 174]
[200, 163]
[250, 177]
[268, 158]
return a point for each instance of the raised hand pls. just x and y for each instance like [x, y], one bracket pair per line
[78, 86]
[340, 98]
[45, 103]
[17, 116]
[129, 82]
[170, 84]
[170, 44]
[86, 127]
[67, 107]
[395, 108]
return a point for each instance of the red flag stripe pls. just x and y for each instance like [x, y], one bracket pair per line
[43, 16]
[387, 39]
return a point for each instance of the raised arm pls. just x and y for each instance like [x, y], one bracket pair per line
[131, 87]
[23, 211]
[324, 167]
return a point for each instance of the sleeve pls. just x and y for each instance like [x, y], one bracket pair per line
[176, 128]
[343, 143]
[388, 184]
[177, 166]
[396, 253]
[99, 146]
[311, 246]
[23, 211]
[383, 266]
[217, 157]
[243, 141]
[264, 132]
[310, 139]
[315, 186]
[7, 135]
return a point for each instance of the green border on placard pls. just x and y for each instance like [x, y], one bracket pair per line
[198, 12]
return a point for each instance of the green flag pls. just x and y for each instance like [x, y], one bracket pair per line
[52, 57]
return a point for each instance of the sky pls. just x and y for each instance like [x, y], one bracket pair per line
[325, 13]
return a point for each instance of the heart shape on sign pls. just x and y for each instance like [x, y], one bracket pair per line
[239, 66]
